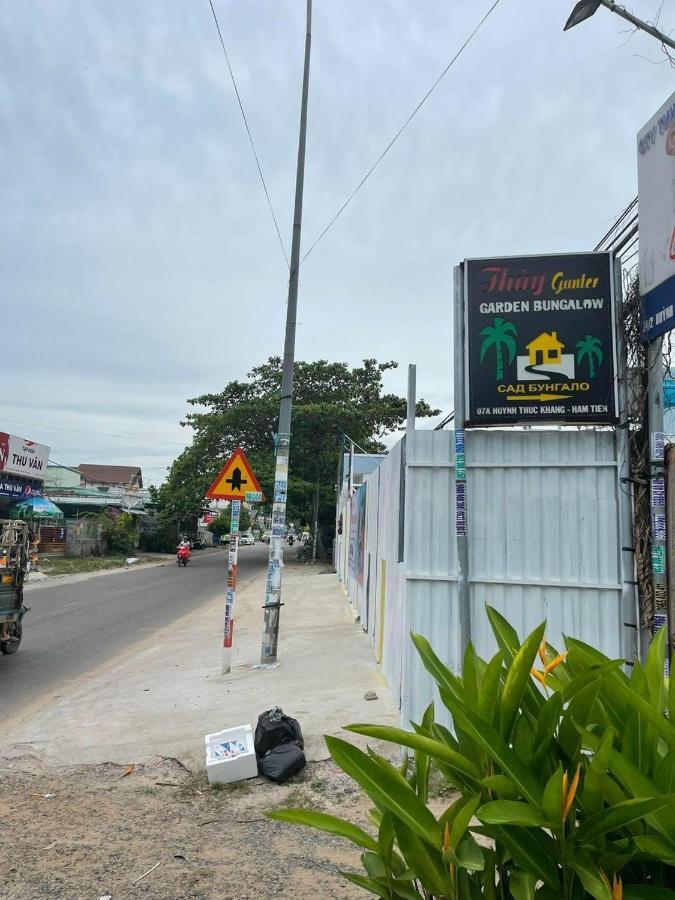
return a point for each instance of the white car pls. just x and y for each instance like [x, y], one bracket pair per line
[246, 540]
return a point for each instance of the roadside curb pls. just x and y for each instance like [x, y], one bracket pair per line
[85, 576]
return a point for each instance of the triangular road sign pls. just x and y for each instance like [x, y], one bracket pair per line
[235, 480]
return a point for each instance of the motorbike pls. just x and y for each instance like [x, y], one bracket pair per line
[183, 555]
[14, 559]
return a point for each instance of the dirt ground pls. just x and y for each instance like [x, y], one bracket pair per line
[87, 833]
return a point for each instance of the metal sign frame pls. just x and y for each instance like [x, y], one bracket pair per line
[465, 421]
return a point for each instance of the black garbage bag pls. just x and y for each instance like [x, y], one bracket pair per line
[273, 729]
[282, 762]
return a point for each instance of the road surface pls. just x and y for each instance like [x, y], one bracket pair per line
[73, 627]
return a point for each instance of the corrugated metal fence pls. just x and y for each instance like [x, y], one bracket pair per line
[546, 539]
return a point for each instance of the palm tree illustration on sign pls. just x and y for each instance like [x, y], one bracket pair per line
[590, 349]
[499, 335]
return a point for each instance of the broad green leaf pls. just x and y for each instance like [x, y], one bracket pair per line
[596, 774]
[548, 718]
[324, 822]
[431, 746]
[489, 874]
[671, 698]
[523, 739]
[664, 775]
[512, 812]
[368, 884]
[522, 884]
[397, 797]
[578, 712]
[469, 855]
[654, 670]
[505, 633]
[650, 847]
[453, 811]
[439, 672]
[533, 851]
[619, 816]
[489, 691]
[517, 679]
[425, 861]
[374, 865]
[589, 874]
[635, 783]
[385, 838]
[488, 738]
[462, 819]
[552, 799]
[422, 758]
[501, 786]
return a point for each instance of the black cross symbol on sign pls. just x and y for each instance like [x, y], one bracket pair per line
[236, 481]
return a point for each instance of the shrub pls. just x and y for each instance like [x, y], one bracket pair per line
[120, 533]
[565, 773]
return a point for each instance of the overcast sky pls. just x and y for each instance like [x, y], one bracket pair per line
[138, 261]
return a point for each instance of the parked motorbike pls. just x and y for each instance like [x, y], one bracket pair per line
[183, 555]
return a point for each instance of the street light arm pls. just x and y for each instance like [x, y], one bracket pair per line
[639, 23]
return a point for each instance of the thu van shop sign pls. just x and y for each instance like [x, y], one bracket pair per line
[540, 340]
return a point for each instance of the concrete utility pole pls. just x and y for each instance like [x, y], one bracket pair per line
[273, 586]
[657, 486]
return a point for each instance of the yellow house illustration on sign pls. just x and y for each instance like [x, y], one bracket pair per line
[545, 349]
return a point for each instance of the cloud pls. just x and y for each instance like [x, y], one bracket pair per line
[139, 262]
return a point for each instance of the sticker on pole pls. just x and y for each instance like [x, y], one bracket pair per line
[235, 480]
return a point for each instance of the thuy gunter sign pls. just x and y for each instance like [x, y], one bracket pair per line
[540, 340]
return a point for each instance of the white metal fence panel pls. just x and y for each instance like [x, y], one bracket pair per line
[544, 542]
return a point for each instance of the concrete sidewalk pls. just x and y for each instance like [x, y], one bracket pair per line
[164, 694]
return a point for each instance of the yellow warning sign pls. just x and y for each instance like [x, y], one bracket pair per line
[235, 480]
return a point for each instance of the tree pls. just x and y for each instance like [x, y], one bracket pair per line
[221, 524]
[499, 335]
[590, 348]
[330, 400]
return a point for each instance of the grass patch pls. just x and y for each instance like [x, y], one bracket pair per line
[66, 565]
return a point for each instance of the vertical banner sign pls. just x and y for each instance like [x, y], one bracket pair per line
[460, 484]
[276, 557]
[230, 592]
[656, 174]
[235, 482]
[540, 340]
[657, 496]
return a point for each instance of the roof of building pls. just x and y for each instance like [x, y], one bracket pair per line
[111, 474]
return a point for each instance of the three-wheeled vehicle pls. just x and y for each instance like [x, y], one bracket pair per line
[14, 566]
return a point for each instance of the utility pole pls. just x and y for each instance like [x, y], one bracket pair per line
[273, 586]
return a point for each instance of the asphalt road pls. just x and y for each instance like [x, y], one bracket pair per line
[73, 627]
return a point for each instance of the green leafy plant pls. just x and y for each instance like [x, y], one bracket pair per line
[564, 769]
[120, 532]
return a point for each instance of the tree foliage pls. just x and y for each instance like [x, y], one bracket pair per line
[330, 399]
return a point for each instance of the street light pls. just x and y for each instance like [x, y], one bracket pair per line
[587, 8]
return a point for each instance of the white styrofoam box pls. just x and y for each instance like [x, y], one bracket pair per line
[245, 765]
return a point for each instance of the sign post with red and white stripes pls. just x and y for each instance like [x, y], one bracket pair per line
[231, 590]
[235, 482]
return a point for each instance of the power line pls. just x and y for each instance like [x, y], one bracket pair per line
[127, 437]
[401, 129]
[250, 136]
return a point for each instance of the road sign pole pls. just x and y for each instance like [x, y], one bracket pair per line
[273, 588]
[230, 592]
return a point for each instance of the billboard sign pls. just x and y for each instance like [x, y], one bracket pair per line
[540, 340]
[656, 210]
[22, 457]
